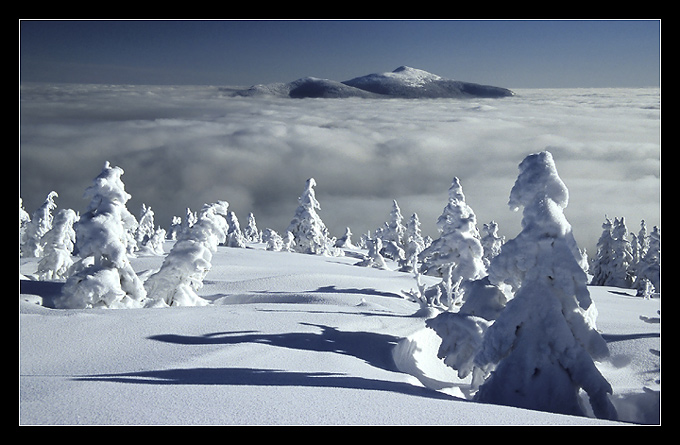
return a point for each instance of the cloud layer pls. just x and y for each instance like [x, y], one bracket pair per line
[184, 146]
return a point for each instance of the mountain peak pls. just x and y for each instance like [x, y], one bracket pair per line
[403, 82]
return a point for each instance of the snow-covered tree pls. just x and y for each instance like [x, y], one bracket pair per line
[37, 227]
[623, 255]
[542, 345]
[251, 233]
[183, 270]
[190, 218]
[310, 234]
[649, 268]
[235, 237]
[272, 240]
[642, 238]
[414, 243]
[104, 276]
[491, 242]
[24, 220]
[148, 238]
[175, 228]
[374, 258]
[459, 243]
[59, 242]
[288, 242]
[600, 266]
[392, 234]
[612, 265]
[345, 241]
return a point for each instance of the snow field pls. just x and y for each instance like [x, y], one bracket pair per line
[288, 339]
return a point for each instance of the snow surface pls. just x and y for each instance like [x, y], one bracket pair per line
[288, 339]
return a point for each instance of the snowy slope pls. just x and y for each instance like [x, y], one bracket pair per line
[403, 82]
[289, 339]
[407, 82]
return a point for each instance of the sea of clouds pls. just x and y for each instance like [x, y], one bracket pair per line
[187, 145]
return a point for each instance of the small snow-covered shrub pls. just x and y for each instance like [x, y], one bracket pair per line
[59, 242]
[183, 270]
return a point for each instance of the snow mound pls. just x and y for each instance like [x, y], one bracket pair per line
[403, 82]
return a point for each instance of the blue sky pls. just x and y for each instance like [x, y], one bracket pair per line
[508, 53]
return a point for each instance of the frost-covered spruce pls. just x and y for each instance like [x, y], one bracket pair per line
[459, 243]
[250, 233]
[491, 242]
[345, 241]
[600, 268]
[374, 258]
[414, 243]
[272, 240]
[613, 265]
[235, 237]
[623, 255]
[24, 221]
[183, 270]
[37, 227]
[392, 234]
[104, 277]
[649, 268]
[309, 232]
[542, 346]
[59, 242]
[175, 228]
[149, 239]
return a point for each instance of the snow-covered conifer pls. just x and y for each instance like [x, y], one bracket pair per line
[642, 238]
[459, 243]
[40, 223]
[104, 276]
[148, 238]
[542, 345]
[175, 228]
[250, 233]
[491, 242]
[309, 232]
[288, 242]
[374, 258]
[24, 220]
[601, 264]
[392, 234]
[145, 226]
[272, 239]
[183, 270]
[649, 268]
[612, 265]
[59, 242]
[190, 218]
[345, 241]
[623, 256]
[235, 237]
[413, 244]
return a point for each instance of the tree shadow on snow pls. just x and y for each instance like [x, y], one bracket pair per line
[46, 290]
[356, 291]
[262, 377]
[373, 348]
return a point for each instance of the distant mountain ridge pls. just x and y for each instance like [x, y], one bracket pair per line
[403, 82]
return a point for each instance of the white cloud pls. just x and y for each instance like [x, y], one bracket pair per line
[183, 146]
